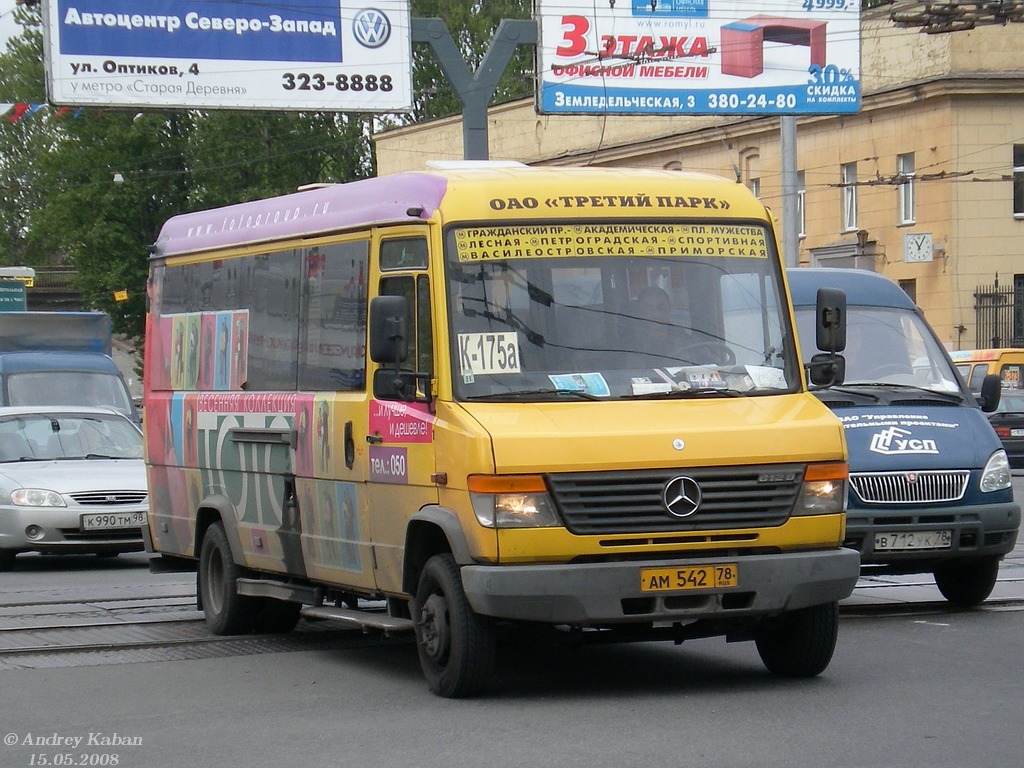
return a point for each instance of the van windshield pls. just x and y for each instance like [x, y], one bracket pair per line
[568, 311]
[886, 346]
[69, 388]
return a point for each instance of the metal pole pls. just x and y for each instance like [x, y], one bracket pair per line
[475, 90]
[790, 219]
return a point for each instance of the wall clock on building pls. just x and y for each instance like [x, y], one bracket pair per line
[917, 246]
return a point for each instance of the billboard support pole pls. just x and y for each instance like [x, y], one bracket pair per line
[790, 218]
[475, 90]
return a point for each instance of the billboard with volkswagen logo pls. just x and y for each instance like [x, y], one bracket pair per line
[332, 55]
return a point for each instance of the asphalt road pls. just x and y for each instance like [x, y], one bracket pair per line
[921, 685]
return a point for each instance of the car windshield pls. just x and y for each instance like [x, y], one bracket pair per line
[886, 346]
[74, 388]
[569, 312]
[46, 437]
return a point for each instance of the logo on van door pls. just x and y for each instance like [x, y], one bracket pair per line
[895, 440]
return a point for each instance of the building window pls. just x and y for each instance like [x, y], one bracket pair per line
[910, 288]
[849, 187]
[1018, 181]
[755, 187]
[801, 204]
[905, 174]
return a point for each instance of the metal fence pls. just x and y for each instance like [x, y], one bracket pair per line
[999, 314]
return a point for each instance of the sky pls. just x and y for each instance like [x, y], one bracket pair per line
[7, 25]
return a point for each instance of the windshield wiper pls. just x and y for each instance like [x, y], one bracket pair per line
[683, 394]
[823, 392]
[547, 393]
[953, 397]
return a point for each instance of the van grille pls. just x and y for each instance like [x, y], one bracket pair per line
[631, 501]
[910, 487]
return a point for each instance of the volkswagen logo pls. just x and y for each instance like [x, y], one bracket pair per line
[681, 496]
[371, 28]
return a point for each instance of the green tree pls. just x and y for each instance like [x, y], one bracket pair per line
[23, 143]
[92, 188]
[471, 25]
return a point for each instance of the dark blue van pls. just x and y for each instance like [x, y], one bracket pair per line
[929, 481]
[61, 358]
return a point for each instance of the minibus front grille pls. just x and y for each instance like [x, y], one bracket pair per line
[631, 501]
[910, 487]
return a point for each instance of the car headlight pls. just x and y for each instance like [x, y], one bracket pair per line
[996, 476]
[36, 497]
[824, 489]
[511, 501]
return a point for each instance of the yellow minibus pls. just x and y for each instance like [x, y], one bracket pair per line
[487, 397]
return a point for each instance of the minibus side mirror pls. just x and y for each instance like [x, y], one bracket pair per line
[830, 320]
[389, 344]
[991, 391]
[388, 336]
[828, 368]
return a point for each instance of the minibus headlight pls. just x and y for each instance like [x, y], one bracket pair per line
[823, 491]
[996, 476]
[36, 497]
[514, 501]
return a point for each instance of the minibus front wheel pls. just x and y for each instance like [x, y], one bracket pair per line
[455, 645]
[799, 643]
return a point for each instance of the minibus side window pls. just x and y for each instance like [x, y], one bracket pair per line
[978, 374]
[416, 290]
[332, 324]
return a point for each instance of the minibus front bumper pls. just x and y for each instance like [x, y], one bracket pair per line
[590, 594]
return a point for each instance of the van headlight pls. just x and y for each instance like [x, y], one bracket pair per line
[36, 497]
[512, 501]
[996, 475]
[824, 489]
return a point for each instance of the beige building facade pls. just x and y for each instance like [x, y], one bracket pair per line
[919, 185]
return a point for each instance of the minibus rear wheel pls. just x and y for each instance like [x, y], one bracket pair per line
[799, 643]
[227, 612]
[455, 645]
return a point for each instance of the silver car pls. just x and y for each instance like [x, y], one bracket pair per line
[72, 480]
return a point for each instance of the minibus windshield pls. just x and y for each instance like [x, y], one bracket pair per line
[620, 311]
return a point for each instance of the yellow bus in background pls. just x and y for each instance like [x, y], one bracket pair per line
[489, 396]
[975, 364]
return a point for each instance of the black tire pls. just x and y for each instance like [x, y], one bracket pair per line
[277, 617]
[7, 560]
[227, 612]
[799, 643]
[455, 645]
[969, 582]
